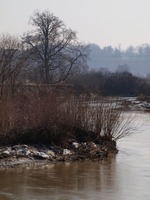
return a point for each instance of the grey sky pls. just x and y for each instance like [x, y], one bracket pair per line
[105, 22]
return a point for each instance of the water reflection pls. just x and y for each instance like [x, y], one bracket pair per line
[124, 177]
[60, 181]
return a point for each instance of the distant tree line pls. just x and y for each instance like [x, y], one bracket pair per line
[137, 58]
[105, 83]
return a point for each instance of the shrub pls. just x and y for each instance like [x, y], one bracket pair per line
[51, 119]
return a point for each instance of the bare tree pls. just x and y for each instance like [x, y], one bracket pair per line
[12, 60]
[53, 48]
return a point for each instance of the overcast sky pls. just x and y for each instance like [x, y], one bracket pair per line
[105, 22]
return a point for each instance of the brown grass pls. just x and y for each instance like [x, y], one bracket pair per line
[51, 119]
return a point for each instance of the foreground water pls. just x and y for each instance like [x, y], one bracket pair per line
[123, 177]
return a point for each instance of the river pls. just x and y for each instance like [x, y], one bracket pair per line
[125, 176]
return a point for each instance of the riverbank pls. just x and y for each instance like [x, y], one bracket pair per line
[24, 155]
[135, 104]
[46, 128]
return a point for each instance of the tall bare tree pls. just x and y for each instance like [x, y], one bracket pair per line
[12, 60]
[53, 48]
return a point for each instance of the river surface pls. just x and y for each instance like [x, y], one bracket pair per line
[122, 177]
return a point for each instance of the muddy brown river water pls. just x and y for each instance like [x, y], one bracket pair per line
[122, 177]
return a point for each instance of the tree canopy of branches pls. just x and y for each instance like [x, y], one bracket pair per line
[12, 61]
[54, 50]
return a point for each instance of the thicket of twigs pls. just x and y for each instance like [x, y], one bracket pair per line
[48, 118]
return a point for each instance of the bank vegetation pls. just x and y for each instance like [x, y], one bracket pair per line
[39, 101]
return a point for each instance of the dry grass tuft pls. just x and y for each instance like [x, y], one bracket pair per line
[49, 118]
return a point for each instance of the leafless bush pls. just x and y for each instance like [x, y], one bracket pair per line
[111, 121]
[49, 118]
[103, 119]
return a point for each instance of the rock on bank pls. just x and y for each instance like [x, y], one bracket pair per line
[24, 155]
